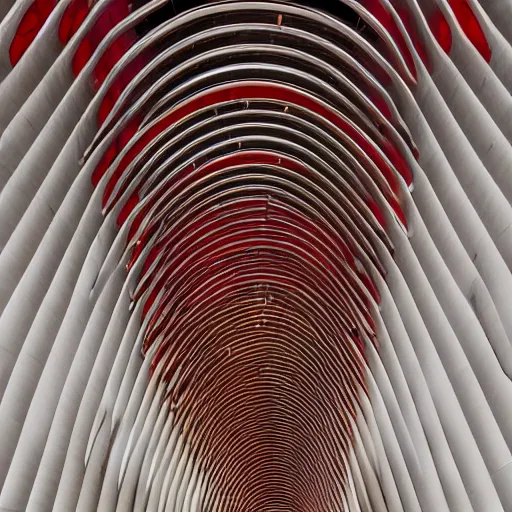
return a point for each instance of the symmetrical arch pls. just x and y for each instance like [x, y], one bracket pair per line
[255, 255]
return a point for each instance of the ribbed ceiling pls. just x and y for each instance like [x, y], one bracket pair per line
[255, 256]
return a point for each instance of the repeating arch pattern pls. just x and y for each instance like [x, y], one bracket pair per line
[255, 256]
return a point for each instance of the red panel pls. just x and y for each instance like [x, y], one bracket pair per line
[123, 78]
[113, 14]
[469, 24]
[73, 17]
[29, 27]
[441, 30]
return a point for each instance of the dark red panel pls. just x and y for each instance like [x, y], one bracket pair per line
[29, 27]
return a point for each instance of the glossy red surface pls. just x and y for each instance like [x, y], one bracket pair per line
[30, 25]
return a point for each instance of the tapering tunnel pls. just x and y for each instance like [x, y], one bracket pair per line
[255, 256]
